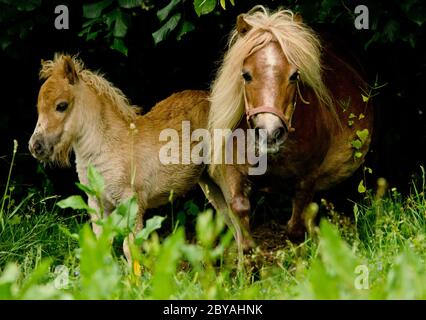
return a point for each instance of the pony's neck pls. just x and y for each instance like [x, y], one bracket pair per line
[98, 131]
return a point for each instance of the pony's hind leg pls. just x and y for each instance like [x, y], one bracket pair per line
[304, 194]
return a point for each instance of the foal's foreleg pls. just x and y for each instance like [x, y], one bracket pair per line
[304, 194]
[129, 240]
[94, 217]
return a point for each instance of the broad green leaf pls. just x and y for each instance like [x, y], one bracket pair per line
[16, 219]
[223, 4]
[27, 5]
[123, 217]
[351, 116]
[204, 6]
[320, 284]
[10, 274]
[193, 253]
[184, 29]
[39, 272]
[94, 10]
[362, 135]
[191, 208]
[92, 35]
[119, 45]
[164, 13]
[96, 181]
[208, 228]
[73, 202]
[407, 276]
[336, 254]
[121, 24]
[100, 275]
[357, 144]
[151, 225]
[361, 187]
[165, 267]
[169, 26]
[365, 98]
[128, 4]
[86, 189]
[358, 154]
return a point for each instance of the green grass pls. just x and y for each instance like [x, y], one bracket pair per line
[380, 254]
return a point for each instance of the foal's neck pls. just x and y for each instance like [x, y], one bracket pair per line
[101, 130]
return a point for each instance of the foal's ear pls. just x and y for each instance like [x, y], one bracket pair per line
[297, 17]
[69, 70]
[242, 26]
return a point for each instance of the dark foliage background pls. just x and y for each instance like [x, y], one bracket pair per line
[116, 36]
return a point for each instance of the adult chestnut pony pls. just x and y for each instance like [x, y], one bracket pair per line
[81, 111]
[276, 76]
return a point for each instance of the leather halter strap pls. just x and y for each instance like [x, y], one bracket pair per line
[250, 112]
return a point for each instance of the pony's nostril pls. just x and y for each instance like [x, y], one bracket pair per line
[279, 134]
[37, 147]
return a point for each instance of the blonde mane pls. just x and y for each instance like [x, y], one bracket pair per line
[94, 80]
[300, 45]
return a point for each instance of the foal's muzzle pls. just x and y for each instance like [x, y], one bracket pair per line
[39, 148]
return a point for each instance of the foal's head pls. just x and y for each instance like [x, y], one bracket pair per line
[56, 125]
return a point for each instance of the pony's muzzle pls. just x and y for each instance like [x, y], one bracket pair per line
[37, 147]
[276, 131]
[278, 136]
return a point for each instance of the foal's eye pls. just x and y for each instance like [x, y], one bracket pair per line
[61, 106]
[247, 76]
[294, 77]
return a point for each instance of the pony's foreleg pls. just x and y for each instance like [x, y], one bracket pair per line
[304, 194]
[97, 229]
[129, 240]
[236, 189]
[215, 196]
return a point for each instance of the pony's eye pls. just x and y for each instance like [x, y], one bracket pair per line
[247, 76]
[294, 77]
[61, 106]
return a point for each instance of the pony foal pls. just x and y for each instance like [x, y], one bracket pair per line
[80, 111]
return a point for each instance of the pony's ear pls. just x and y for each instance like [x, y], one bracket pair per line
[242, 26]
[68, 69]
[297, 17]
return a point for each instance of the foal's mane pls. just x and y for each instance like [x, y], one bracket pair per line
[300, 45]
[94, 80]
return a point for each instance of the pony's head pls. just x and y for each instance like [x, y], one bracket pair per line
[269, 54]
[67, 101]
[56, 125]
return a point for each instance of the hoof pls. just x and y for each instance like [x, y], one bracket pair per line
[248, 245]
[296, 232]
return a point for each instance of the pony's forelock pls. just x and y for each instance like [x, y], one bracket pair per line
[94, 80]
